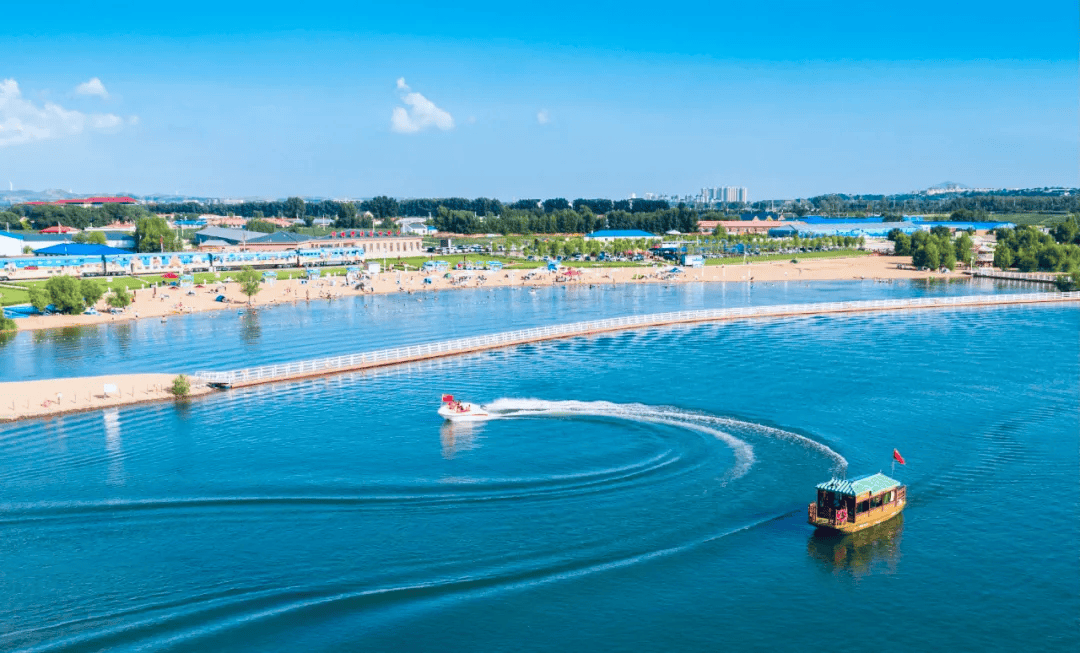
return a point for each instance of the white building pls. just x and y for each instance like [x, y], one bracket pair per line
[724, 194]
[10, 244]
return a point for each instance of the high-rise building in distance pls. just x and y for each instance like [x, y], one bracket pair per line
[724, 194]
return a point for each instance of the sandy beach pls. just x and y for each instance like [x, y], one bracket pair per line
[162, 303]
[25, 399]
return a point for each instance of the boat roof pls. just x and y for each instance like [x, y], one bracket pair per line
[872, 483]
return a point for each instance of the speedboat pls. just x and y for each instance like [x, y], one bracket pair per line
[459, 411]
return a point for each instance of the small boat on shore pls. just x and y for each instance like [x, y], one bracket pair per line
[850, 506]
[458, 411]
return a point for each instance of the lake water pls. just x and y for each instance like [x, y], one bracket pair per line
[641, 491]
[222, 340]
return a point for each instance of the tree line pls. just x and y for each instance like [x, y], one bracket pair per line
[568, 220]
[41, 216]
[1030, 250]
[933, 249]
[960, 207]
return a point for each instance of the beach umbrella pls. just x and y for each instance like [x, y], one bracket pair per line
[170, 275]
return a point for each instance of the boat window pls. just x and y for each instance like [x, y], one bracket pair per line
[875, 502]
[888, 496]
[864, 506]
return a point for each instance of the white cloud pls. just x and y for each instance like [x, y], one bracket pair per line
[92, 87]
[21, 121]
[542, 117]
[420, 114]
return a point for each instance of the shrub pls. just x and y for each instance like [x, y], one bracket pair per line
[119, 297]
[7, 325]
[181, 386]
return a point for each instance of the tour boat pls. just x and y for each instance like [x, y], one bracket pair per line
[457, 411]
[849, 506]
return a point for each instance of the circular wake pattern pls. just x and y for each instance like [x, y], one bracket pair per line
[744, 452]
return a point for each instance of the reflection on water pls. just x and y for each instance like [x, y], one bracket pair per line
[122, 333]
[250, 330]
[65, 334]
[858, 553]
[6, 337]
[458, 436]
[113, 446]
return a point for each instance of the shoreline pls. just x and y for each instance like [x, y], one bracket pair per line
[162, 303]
[21, 400]
[50, 397]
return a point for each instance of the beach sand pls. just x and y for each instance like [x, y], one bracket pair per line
[23, 399]
[164, 302]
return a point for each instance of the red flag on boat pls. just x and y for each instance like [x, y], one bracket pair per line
[447, 398]
[897, 457]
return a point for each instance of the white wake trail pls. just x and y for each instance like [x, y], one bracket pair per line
[703, 423]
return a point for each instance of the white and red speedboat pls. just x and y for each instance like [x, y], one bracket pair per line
[459, 411]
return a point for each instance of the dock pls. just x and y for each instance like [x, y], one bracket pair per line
[459, 346]
[1033, 277]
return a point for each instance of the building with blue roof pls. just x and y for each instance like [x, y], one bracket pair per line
[611, 235]
[231, 236]
[280, 238]
[79, 249]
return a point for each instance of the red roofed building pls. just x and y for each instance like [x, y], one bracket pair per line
[59, 229]
[92, 201]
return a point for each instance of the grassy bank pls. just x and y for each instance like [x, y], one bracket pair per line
[11, 295]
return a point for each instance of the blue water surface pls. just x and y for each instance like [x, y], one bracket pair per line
[223, 340]
[640, 491]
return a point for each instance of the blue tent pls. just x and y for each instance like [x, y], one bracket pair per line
[79, 249]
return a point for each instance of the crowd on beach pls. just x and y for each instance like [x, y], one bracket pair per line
[167, 301]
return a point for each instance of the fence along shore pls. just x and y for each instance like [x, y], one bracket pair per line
[458, 346]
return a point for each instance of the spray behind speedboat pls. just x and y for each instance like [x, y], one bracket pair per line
[459, 411]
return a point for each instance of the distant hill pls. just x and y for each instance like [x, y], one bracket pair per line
[949, 185]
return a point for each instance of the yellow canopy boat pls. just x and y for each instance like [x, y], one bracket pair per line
[850, 506]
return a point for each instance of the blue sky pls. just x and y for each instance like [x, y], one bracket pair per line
[791, 99]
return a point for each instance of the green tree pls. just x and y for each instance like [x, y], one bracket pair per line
[154, 235]
[1027, 261]
[7, 325]
[1068, 231]
[964, 246]
[39, 299]
[948, 255]
[382, 207]
[91, 291]
[181, 386]
[261, 226]
[1003, 257]
[901, 242]
[1069, 282]
[90, 238]
[295, 208]
[346, 216]
[65, 294]
[927, 255]
[120, 298]
[250, 281]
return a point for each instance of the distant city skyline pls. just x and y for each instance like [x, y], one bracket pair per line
[485, 100]
[706, 198]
